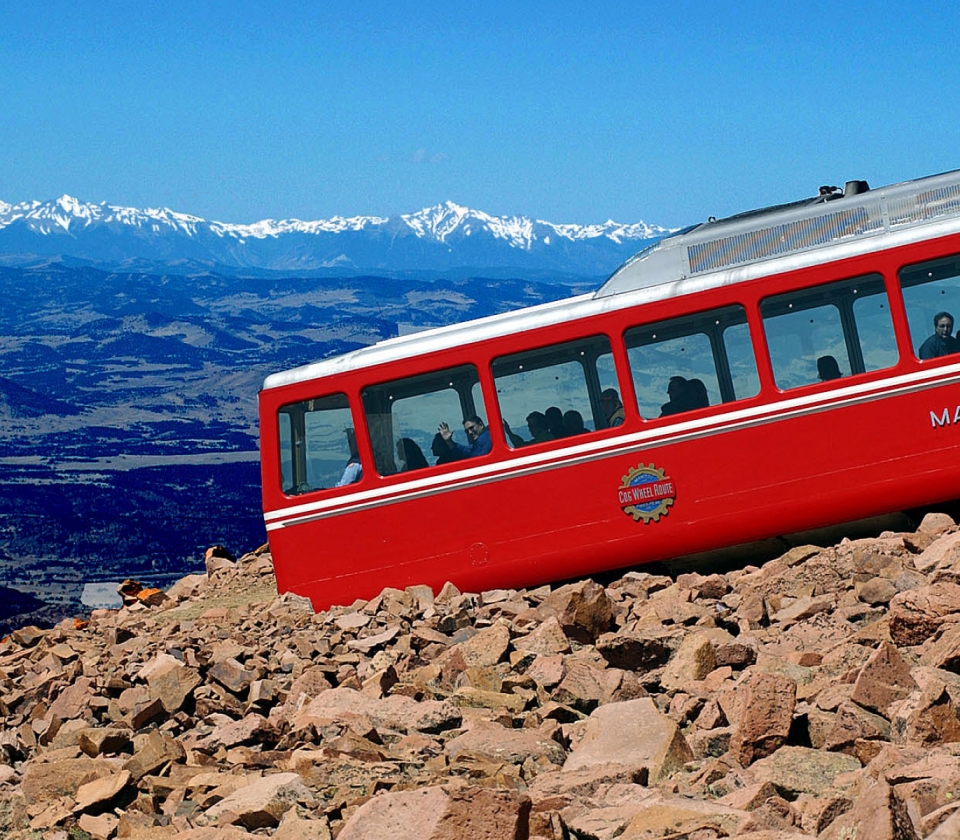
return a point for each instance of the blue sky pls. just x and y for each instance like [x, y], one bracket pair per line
[569, 112]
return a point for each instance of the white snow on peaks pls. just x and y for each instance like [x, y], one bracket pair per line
[443, 220]
[440, 223]
[611, 229]
[270, 227]
[67, 211]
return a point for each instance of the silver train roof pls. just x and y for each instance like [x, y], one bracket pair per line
[833, 218]
[831, 226]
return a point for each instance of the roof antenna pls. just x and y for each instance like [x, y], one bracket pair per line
[855, 188]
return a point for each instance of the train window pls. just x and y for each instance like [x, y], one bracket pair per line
[403, 415]
[694, 361]
[931, 295]
[554, 392]
[318, 447]
[829, 331]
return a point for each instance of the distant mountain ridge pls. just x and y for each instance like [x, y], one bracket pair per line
[440, 238]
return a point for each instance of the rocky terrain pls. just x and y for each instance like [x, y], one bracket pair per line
[815, 696]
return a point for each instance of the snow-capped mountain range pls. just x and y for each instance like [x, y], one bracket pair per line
[447, 237]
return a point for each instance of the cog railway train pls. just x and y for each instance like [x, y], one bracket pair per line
[775, 372]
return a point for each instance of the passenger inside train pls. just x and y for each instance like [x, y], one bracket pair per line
[942, 342]
[828, 368]
[685, 395]
[697, 394]
[612, 407]
[536, 425]
[443, 453]
[353, 471]
[410, 455]
[677, 391]
[477, 434]
[554, 417]
[573, 423]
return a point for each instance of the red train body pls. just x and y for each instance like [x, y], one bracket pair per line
[775, 439]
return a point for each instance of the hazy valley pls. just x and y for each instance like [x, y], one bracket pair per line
[128, 408]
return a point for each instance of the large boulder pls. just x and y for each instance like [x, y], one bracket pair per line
[441, 813]
[634, 736]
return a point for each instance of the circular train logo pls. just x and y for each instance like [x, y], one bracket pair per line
[646, 493]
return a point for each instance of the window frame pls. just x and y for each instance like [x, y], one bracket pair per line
[821, 295]
[401, 388]
[696, 323]
[297, 412]
[592, 347]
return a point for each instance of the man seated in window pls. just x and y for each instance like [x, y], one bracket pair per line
[942, 342]
[612, 407]
[538, 426]
[477, 433]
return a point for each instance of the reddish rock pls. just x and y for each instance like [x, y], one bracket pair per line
[100, 827]
[693, 660]
[918, 614]
[949, 829]
[585, 685]
[583, 609]
[172, 684]
[311, 682]
[438, 813]
[218, 559]
[547, 639]
[633, 735]
[668, 817]
[46, 781]
[251, 729]
[367, 644]
[128, 591]
[488, 741]
[151, 597]
[547, 671]
[487, 647]
[152, 752]
[884, 679]
[232, 675]
[96, 742]
[936, 523]
[766, 703]
[928, 716]
[796, 770]
[634, 651]
[942, 551]
[877, 591]
[853, 724]
[712, 587]
[407, 715]
[803, 608]
[261, 802]
[216, 690]
[101, 791]
[943, 650]
[876, 814]
[74, 700]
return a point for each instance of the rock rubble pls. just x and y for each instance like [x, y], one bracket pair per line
[815, 696]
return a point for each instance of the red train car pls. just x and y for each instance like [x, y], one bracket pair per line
[775, 372]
